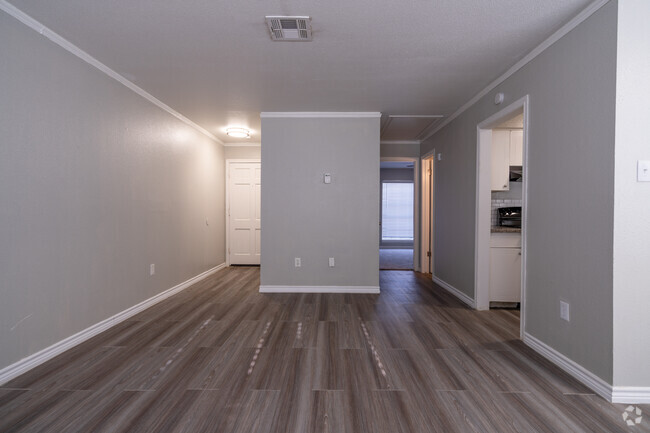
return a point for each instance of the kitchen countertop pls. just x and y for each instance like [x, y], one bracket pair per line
[502, 229]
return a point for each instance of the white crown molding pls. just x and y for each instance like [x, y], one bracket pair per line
[321, 114]
[562, 31]
[631, 394]
[399, 142]
[16, 369]
[319, 289]
[242, 144]
[75, 50]
[454, 291]
[586, 377]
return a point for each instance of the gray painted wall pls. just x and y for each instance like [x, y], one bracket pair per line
[396, 174]
[392, 150]
[242, 152]
[632, 203]
[96, 184]
[571, 155]
[303, 217]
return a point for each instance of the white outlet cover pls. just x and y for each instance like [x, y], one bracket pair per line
[331, 262]
[297, 262]
[643, 171]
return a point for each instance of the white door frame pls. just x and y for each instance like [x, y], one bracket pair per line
[427, 212]
[416, 207]
[483, 207]
[228, 163]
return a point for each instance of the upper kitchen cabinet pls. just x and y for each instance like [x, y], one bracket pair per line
[516, 147]
[507, 150]
[500, 160]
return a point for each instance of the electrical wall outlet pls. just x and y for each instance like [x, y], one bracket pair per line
[296, 262]
[331, 262]
[564, 310]
[152, 269]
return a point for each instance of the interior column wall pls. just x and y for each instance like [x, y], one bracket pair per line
[632, 199]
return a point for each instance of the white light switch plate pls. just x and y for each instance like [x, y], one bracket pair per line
[331, 262]
[643, 171]
[564, 310]
[296, 262]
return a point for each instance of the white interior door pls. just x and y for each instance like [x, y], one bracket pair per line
[244, 185]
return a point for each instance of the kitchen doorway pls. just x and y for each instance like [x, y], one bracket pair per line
[398, 215]
[500, 246]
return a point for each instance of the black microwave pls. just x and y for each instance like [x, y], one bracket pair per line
[509, 216]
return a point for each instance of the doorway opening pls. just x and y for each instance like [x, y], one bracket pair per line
[426, 219]
[397, 215]
[501, 189]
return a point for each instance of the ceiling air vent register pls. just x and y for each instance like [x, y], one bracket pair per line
[292, 29]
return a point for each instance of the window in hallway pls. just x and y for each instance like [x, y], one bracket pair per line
[397, 211]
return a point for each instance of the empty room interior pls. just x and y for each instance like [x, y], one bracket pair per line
[290, 216]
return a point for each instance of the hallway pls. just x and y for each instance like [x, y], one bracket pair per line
[221, 357]
[396, 259]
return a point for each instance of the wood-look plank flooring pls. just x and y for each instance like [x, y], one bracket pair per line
[221, 357]
[396, 259]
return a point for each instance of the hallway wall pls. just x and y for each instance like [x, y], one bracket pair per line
[96, 183]
[572, 87]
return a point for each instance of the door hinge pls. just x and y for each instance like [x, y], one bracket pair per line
[428, 253]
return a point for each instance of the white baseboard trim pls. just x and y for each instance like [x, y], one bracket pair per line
[631, 394]
[16, 369]
[454, 291]
[586, 377]
[319, 289]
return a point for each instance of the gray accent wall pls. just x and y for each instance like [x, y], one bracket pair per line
[572, 88]
[303, 217]
[403, 150]
[96, 184]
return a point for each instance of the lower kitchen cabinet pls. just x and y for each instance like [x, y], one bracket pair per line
[505, 270]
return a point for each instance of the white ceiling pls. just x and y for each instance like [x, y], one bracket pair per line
[214, 62]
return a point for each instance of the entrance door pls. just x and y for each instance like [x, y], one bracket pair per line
[244, 184]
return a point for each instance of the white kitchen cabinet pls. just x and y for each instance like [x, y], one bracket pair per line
[500, 152]
[516, 147]
[507, 149]
[505, 267]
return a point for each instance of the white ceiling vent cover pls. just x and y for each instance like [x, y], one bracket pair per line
[294, 29]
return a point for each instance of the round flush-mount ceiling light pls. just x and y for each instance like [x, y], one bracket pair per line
[238, 132]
